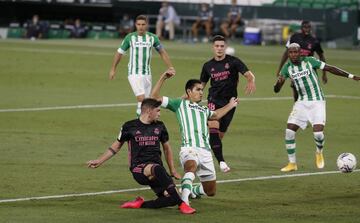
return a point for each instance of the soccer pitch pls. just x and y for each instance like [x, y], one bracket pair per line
[58, 110]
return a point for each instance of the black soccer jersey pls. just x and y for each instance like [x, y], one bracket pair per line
[308, 44]
[143, 141]
[224, 77]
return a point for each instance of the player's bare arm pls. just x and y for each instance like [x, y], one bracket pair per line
[250, 86]
[282, 62]
[170, 160]
[279, 83]
[116, 60]
[110, 152]
[165, 57]
[339, 72]
[219, 113]
[155, 93]
[324, 76]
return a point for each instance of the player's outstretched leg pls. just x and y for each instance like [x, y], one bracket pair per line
[216, 146]
[186, 186]
[167, 184]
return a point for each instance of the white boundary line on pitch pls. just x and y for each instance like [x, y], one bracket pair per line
[147, 188]
[133, 104]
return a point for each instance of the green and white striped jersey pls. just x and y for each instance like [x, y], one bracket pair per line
[192, 119]
[305, 78]
[140, 51]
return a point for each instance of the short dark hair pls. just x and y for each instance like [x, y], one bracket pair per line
[191, 83]
[218, 38]
[305, 22]
[141, 17]
[150, 103]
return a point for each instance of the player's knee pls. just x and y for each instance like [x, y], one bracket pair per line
[211, 192]
[290, 134]
[319, 135]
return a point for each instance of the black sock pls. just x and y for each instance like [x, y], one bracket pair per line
[167, 183]
[216, 144]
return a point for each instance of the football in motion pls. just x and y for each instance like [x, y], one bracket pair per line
[230, 51]
[346, 162]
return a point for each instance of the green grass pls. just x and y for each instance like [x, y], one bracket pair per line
[43, 153]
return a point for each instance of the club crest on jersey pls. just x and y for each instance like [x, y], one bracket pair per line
[137, 132]
[227, 66]
[156, 131]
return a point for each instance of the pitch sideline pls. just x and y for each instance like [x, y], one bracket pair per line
[147, 188]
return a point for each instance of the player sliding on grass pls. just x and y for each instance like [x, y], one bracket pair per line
[144, 136]
[195, 152]
[310, 105]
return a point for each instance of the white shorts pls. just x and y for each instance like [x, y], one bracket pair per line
[308, 111]
[203, 158]
[140, 84]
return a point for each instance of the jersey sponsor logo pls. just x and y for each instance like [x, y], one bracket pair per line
[137, 132]
[146, 140]
[197, 107]
[220, 75]
[300, 74]
[142, 44]
[212, 69]
[309, 46]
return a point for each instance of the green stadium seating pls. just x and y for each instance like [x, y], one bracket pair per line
[16, 31]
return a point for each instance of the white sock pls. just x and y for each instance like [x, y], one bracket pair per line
[186, 186]
[319, 141]
[290, 145]
[197, 190]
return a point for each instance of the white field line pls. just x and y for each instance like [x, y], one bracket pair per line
[133, 104]
[147, 188]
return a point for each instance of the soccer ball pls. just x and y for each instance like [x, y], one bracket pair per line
[346, 162]
[230, 51]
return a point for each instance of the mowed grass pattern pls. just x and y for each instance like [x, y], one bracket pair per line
[44, 152]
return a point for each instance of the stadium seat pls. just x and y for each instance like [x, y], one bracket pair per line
[55, 31]
[16, 31]
[306, 3]
[293, 3]
[319, 4]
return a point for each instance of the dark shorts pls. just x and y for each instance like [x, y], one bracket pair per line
[226, 119]
[138, 175]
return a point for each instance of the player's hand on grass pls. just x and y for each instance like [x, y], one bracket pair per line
[111, 74]
[176, 175]
[93, 163]
[250, 87]
[356, 78]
